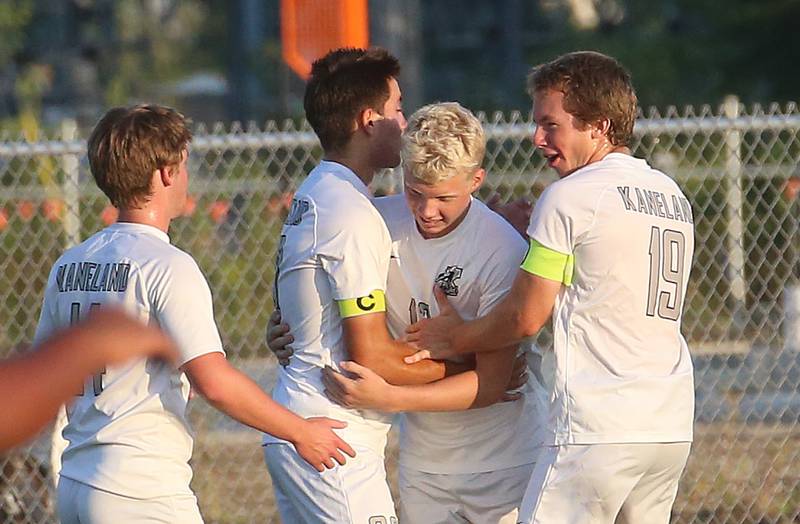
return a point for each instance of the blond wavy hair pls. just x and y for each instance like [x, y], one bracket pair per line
[441, 141]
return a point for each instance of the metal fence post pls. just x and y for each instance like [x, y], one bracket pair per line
[70, 163]
[734, 217]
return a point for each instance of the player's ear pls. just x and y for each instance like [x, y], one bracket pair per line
[477, 179]
[167, 175]
[601, 128]
[367, 119]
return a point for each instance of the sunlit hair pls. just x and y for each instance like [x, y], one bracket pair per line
[441, 141]
[595, 87]
[129, 144]
[341, 85]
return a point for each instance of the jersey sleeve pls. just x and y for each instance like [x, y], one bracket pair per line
[354, 253]
[555, 219]
[562, 217]
[183, 305]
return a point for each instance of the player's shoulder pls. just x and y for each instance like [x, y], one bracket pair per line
[391, 205]
[148, 250]
[493, 230]
[334, 197]
[393, 209]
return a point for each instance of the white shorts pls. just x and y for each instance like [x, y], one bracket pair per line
[79, 503]
[470, 498]
[604, 483]
[356, 493]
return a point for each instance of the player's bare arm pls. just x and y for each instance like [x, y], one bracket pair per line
[35, 385]
[520, 314]
[495, 377]
[234, 393]
[369, 343]
[365, 338]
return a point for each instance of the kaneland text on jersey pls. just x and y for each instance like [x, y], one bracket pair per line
[91, 276]
[656, 203]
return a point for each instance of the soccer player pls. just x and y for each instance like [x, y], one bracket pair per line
[330, 287]
[445, 453]
[442, 236]
[128, 438]
[610, 251]
[35, 385]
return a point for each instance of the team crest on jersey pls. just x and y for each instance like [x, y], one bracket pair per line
[298, 209]
[446, 280]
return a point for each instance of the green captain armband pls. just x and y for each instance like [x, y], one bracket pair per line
[546, 263]
[352, 307]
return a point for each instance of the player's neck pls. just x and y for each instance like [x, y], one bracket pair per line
[149, 216]
[358, 164]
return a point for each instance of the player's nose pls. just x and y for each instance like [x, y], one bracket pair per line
[538, 137]
[427, 209]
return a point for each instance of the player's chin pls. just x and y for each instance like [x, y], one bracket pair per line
[433, 228]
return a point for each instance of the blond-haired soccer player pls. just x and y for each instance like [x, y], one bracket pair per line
[441, 235]
[331, 283]
[610, 252]
[129, 442]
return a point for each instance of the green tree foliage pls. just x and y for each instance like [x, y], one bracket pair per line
[693, 51]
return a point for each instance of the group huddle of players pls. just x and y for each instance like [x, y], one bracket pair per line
[421, 304]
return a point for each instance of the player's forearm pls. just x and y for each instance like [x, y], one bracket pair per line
[472, 389]
[388, 363]
[521, 314]
[455, 393]
[33, 392]
[236, 395]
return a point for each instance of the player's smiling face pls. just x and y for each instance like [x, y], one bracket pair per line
[439, 208]
[565, 142]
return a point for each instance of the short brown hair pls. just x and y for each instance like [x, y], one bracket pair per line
[595, 87]
[342, 84]
[129, 143]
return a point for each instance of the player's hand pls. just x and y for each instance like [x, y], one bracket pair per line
[365, 390]
[434, 336]
[519, 377]
[113, 337]
[320, 446]
[279, 338]
[517, 212]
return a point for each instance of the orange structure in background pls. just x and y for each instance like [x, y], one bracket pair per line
[311, 28]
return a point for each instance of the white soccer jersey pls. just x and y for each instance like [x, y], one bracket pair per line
[127, 430]
[334, 246]
[623, 369]
[475, 264]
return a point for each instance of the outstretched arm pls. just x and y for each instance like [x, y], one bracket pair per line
[369, 343]
[235, 394]
[34, 386]
[520, 314]
[487, 384]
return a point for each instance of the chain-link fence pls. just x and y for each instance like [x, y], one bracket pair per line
[739, 168]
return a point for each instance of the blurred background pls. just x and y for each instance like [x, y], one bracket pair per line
[223, 60]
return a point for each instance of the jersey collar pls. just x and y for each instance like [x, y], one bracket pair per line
[345, 173]
[131, 227]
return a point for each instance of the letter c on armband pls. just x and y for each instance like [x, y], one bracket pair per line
[373, 303]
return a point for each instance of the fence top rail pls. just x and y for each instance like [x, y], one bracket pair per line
[494, 131]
